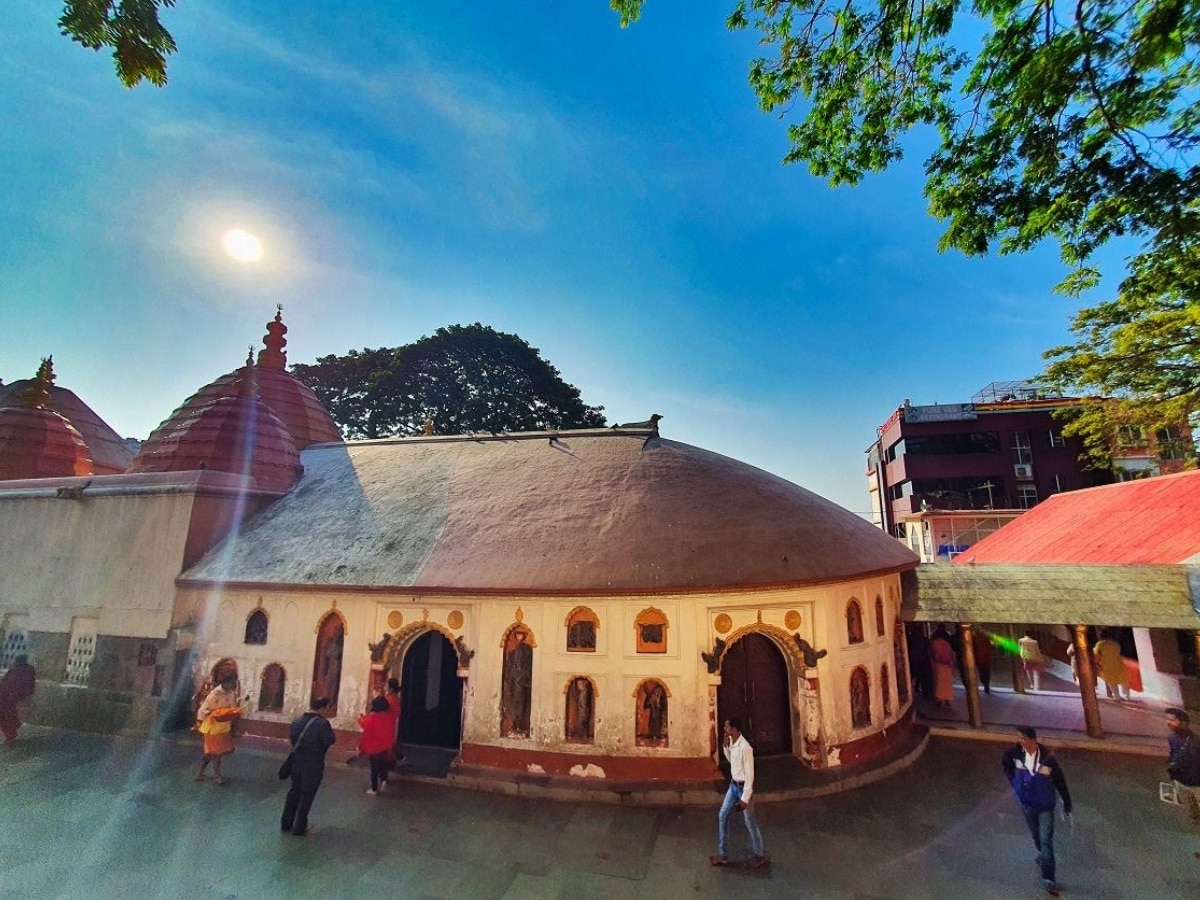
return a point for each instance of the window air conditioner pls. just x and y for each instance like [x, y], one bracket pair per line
[1024, 472]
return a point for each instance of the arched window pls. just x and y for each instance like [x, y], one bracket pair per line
[854, 622]
[902, 676]
[270, 695]
[516, 682]
[885, 688]
[582, 625]
[256, 627]
[327, 661]
[650, 628]
[580, 716]
[651, 714]
[880, 628]
[860, 698]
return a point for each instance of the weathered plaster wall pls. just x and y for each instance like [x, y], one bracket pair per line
[114, 557]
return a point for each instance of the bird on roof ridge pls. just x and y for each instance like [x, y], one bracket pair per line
[651, 423]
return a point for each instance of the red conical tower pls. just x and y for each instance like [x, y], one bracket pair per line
[295, 404]
[37, 442]
[238, 434]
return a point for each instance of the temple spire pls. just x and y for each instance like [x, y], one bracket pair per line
[38, 392]
[274, 356]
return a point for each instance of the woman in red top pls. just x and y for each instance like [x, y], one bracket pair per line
[393, 702]
[376, 742]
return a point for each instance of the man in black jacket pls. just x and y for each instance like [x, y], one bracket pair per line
[1183, 765]
[1038, 780]
[312, 736]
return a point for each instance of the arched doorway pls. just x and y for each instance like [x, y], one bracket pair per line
[431, 693]
[754, 688]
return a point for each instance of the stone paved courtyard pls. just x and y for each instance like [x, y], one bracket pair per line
[92, 816]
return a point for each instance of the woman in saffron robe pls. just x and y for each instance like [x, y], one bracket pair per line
[15, 688]
[214, 720]
[942, 655]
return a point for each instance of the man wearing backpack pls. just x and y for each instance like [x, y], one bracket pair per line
[1037, 779]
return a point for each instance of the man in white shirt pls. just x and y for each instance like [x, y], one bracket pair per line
[739, 796]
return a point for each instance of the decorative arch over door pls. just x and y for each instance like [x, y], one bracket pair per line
[327, 660]
[755, 688]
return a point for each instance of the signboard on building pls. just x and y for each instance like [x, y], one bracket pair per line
[941, 412]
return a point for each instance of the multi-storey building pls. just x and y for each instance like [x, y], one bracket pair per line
[1004, 450]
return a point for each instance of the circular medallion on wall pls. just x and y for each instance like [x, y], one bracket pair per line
[455, 619]
[395, 619]
[791, 620]
[722, 623]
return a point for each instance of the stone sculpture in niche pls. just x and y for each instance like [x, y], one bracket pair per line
[854, 622]
[860, 698]
[580, 709]
[652, 714]
[516, 689]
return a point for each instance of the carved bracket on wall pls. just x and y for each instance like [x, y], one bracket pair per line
[464, 654]
[378, 650]
[713, 660]
[811, 656]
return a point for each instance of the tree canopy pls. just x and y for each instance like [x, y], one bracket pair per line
[140, 44]
[1072, 122]
[464, 377]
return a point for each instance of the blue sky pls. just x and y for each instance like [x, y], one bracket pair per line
[613, 196]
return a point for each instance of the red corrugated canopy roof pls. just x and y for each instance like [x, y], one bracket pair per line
[1152, 521]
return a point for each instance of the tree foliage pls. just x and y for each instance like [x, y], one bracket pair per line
[466, 377]
[1072, 122]
[140, 44]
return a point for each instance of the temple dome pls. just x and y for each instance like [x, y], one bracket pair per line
[238, 434]
[297, 407]
[36, 441]
[611, 511]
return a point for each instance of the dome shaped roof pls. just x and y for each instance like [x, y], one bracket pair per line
[237, 434]
[296, 406]
[37, 442]
[109, 452]
[586, 511]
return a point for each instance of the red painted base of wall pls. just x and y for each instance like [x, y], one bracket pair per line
[620, 768]
[877, 744]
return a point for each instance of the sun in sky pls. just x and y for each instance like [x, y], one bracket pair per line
[242, 245]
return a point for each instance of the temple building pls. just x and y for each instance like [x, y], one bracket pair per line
[583, 602]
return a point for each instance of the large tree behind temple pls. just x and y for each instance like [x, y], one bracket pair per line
[466, 377]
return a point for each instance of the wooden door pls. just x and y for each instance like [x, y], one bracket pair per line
[754, 688]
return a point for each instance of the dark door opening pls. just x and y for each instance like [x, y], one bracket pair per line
[754, 688]
[431, 694]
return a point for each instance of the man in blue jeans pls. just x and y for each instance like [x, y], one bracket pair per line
[740, 796]
[1037, 779]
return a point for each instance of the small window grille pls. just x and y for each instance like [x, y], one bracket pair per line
[79, 657]
[15, 644]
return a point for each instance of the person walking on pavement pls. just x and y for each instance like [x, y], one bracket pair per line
[16, 687]
[312, 736]
[1183, 765]
[1031, 661]
[1037, 779]
[378, 735]
[942, 655]
[739, 796]
[1112, 667]
[982, 645]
